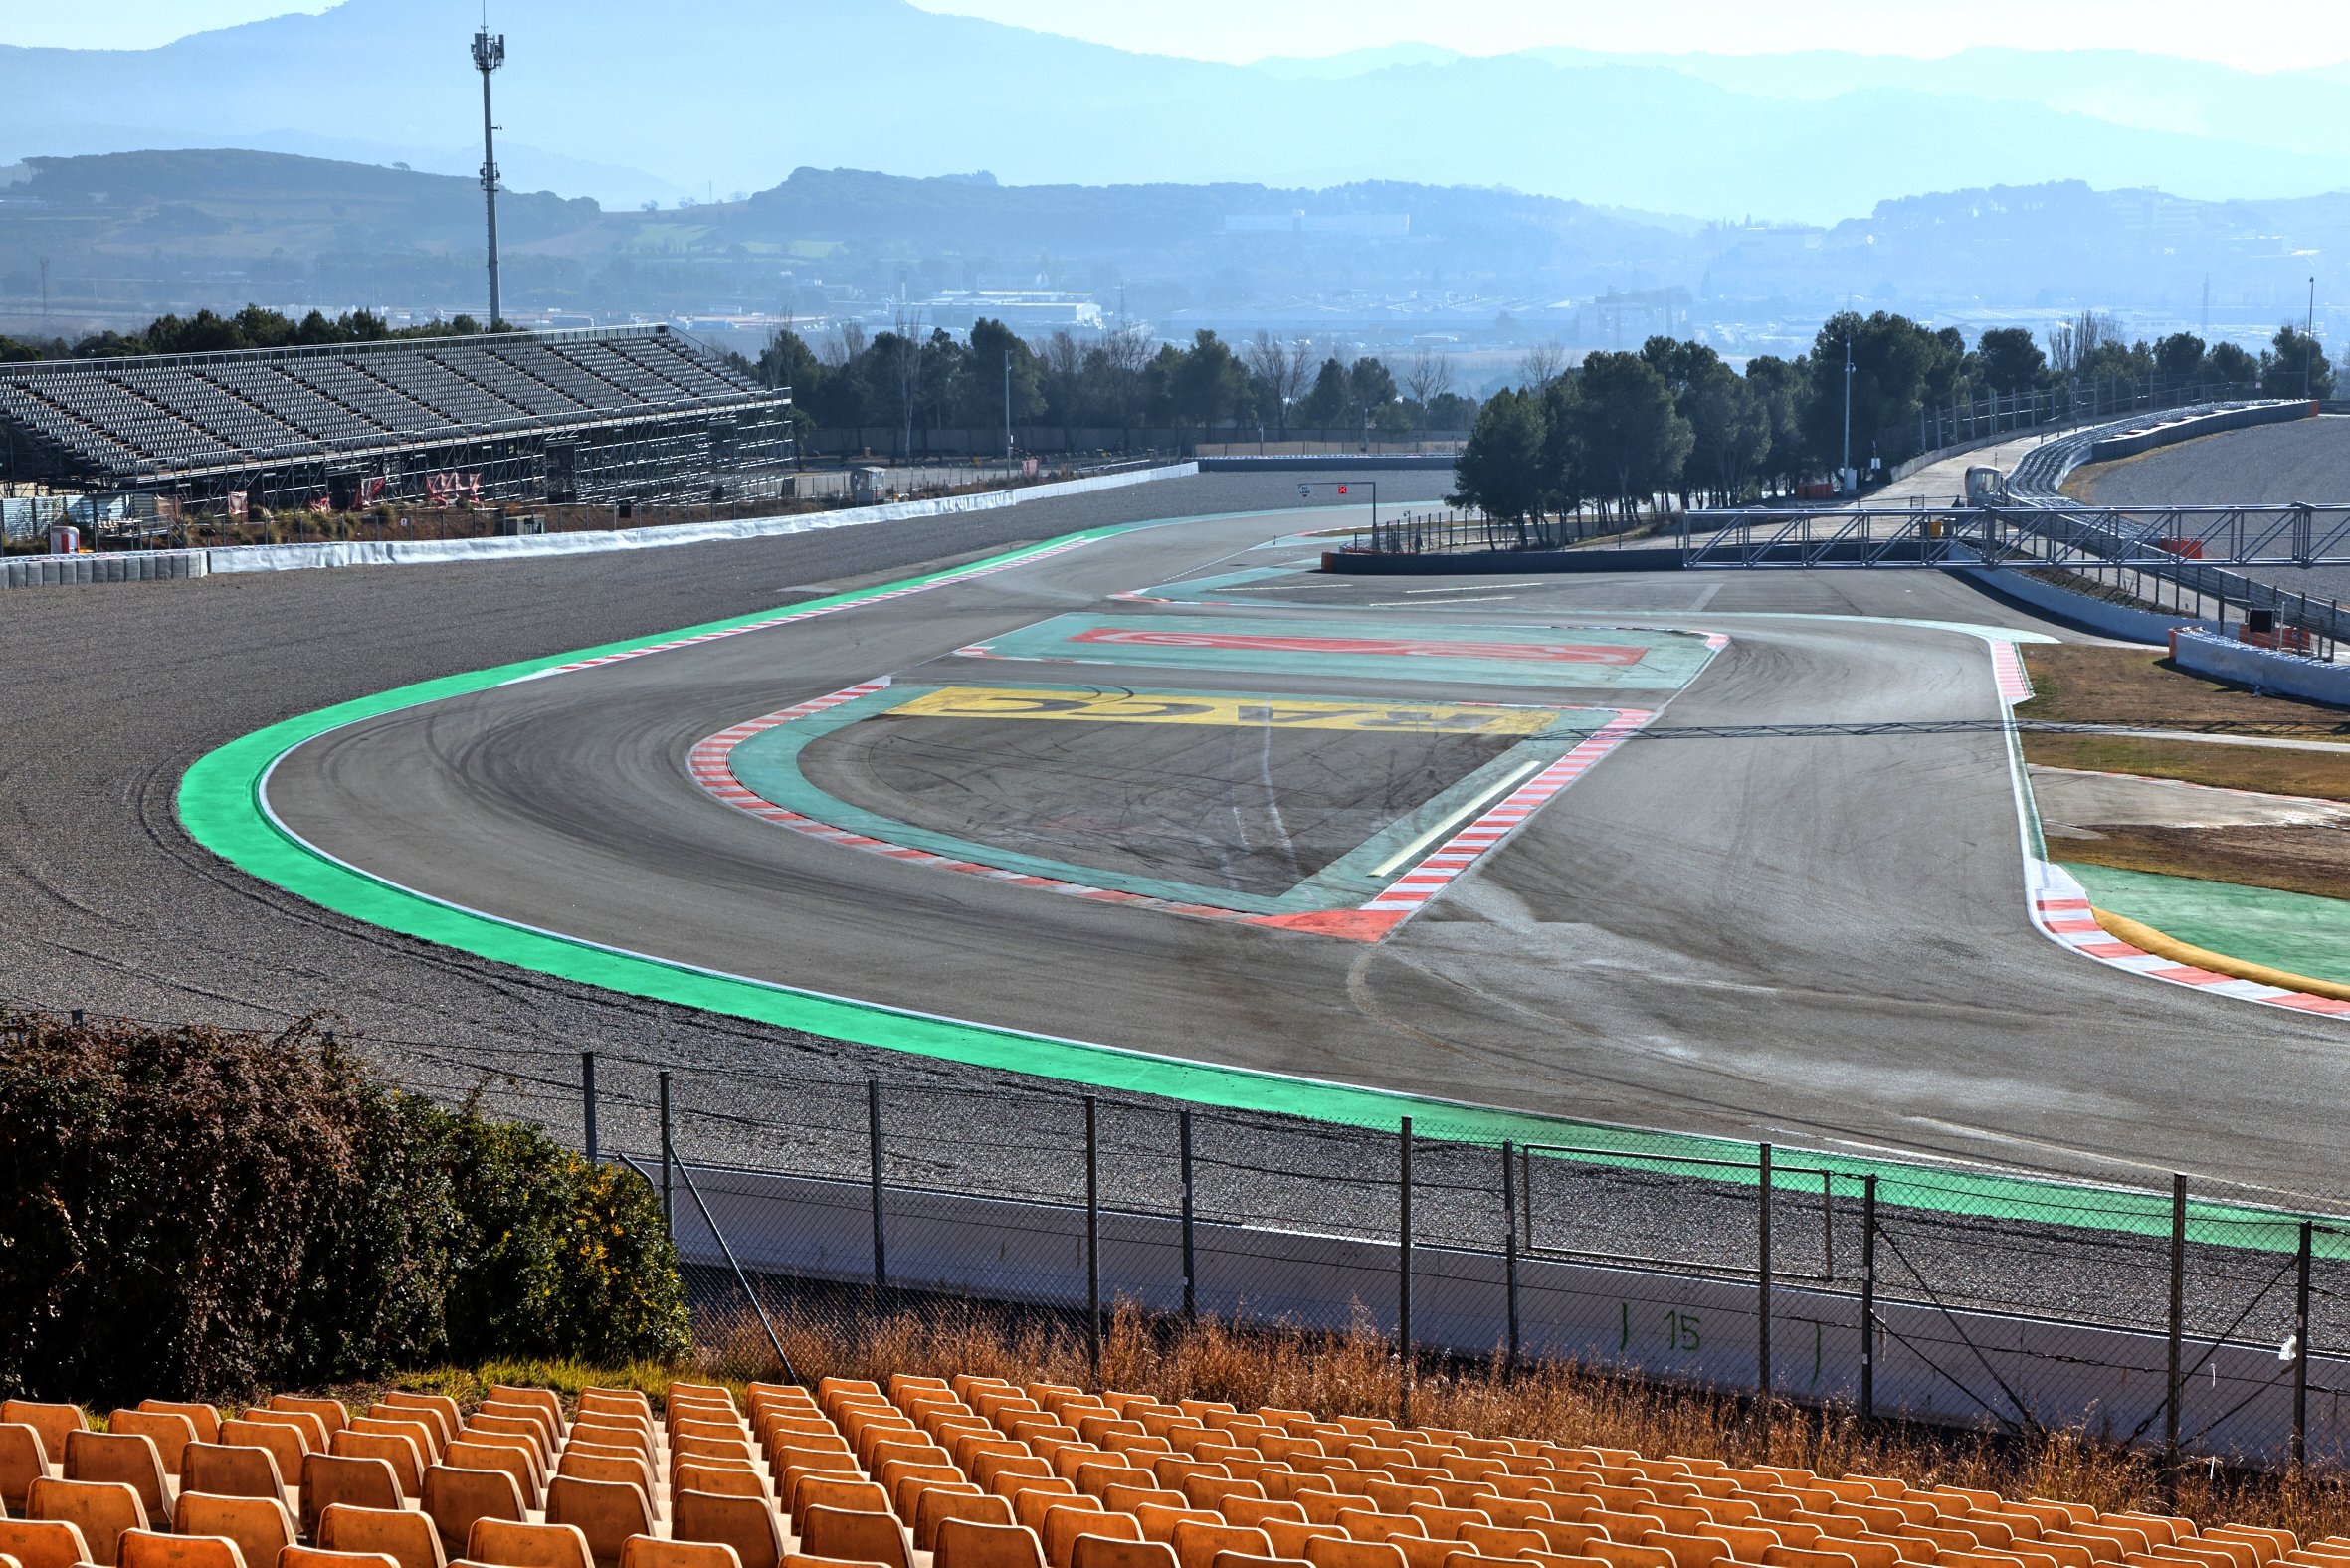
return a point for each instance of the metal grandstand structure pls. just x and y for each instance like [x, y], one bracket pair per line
[613, 415]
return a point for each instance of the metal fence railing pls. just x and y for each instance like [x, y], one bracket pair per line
[2197, 1320]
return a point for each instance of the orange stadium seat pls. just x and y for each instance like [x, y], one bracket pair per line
[645, 1551]
[100, 1509]
[260, 1526]
[407, 1538]
[152, 1549]
[169, 1430]
[122, 1456]
[746, 1525]
[43, 1543]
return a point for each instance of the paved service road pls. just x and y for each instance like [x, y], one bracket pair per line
[1819, 938]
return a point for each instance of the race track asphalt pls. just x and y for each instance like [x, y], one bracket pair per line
[1816, 939]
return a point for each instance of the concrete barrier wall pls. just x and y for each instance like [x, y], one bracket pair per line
[2129, 443]
[1957, 1368]
[2267, 668]
[2079, 609]
[1477, 563]
[1307, 463]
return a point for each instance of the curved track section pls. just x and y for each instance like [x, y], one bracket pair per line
[1818, 934]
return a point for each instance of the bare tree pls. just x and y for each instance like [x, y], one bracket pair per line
[1063, 358]
[1542, 364]
[1429, 379]
[1283, 368]
[1125, 351]
[2074, 344]
[907, 360]
[846, 343]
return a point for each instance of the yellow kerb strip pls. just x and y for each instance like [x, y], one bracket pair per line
[1254, 713]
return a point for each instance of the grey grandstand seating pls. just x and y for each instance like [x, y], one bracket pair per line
[685, 369]
[603, 360]
[294, 401]
[48, 421]
[552, 370]
[237, 422]
[126, 420]
[129, 418]
[496, 375]
[435, 385]
[368, 397]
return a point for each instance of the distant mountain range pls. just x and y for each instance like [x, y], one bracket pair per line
[125, 236]
[624, 102]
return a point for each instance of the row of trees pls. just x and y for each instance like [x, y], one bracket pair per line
[1621, 430]
[252, 327]
[2091, 347]
[914, 382]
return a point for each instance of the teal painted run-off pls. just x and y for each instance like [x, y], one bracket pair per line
[219, 804]
[768, 766]
[1650, 661]
[2297, 932]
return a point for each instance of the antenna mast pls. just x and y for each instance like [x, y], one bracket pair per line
[488, 55]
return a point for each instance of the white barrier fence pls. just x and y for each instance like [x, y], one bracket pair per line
[124, 566]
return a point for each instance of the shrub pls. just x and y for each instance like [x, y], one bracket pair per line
[188, 1211]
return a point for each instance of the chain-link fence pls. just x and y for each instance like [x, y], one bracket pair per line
[2007, 1302]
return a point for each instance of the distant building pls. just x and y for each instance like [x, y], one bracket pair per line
[1022, 310]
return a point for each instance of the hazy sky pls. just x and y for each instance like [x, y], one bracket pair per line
[2263, 35]
[2256, 34]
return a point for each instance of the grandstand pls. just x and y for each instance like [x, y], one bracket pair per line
[976, 1473]
[635, 413]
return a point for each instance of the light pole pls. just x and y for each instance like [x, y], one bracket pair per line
[2309, 339]
[1007, 405]
[1845, 474]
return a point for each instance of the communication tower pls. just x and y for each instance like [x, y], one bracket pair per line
[488, 55]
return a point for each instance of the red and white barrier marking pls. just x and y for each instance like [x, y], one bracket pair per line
[712, 766]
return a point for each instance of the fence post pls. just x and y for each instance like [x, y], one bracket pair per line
[1402, 1292]
[2301, 1350]
[2170, 1404]
[587, 1100]
[669, 1211]
[872, 1149]
[1093, 1244]
[1762, 1275]
[1509, 1248]
[1191, 1299]
[1868, 1297]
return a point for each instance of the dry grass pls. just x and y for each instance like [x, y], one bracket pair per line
[2314, 861]
[2083, 684]
[1358, 1374]
[2317, 775]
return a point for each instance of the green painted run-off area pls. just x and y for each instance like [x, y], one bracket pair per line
[2293, 931]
